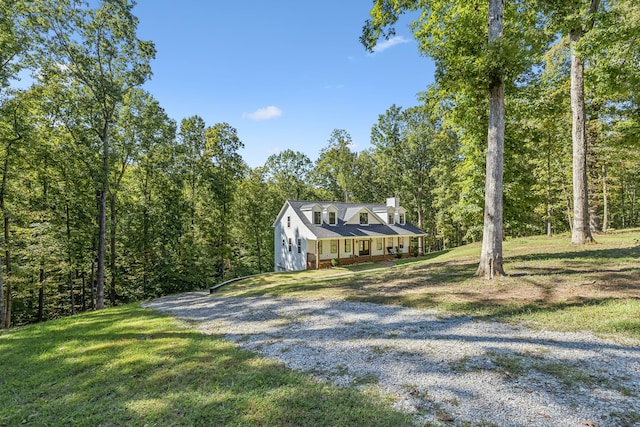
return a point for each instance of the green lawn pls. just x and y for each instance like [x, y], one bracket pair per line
[550, 284]
[129, 366]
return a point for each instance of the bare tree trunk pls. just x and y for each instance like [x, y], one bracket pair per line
[145, 237]
[84, 291]
[41, 294]
[581, 232]
[71, 289]
[73, 292]
[491, 256]
[5, 320]
[92, 282]
[102, 220]
[548, 210]
[112, 246]
[7, 261]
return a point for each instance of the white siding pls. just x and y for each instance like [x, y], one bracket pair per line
[284, 259]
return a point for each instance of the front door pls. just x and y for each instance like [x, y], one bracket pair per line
[363, 247]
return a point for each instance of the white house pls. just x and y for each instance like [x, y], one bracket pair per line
[309, 235]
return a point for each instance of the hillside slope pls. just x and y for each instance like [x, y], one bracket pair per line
[550, 284]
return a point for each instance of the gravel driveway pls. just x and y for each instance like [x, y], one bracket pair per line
[445, 370]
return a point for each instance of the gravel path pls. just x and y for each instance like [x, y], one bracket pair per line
[450, 371]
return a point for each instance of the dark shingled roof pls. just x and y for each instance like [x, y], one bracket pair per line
[341, 229]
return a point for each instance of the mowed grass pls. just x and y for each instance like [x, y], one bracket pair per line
[550, 284]
[129, 366]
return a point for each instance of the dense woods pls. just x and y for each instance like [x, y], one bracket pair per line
[105, 199]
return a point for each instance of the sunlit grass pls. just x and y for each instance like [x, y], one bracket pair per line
[134, 367]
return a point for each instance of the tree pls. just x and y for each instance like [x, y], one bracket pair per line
[224, 169]
[98, 51]
[469, 54]
[581, 232]
[334, 168]
[14, 43]
[257, 205]
[289, 171]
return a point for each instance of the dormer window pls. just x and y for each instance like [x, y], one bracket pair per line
[390, 218]
[364, 218]
[332, 218]
[288, 222]
[317, 217]
[402, 219]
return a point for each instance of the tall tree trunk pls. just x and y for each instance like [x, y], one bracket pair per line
[70, 259]
[145, 235]
[84, 291]
[102, 220]
[73, 292]
[5, 320]
[92, 285]
[7, 261]
[622, 196]
[41, 294]
[581, 232]
[491, 255]
[112, 247]
[548, 207]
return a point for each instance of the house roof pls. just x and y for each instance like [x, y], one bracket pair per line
[345, 212]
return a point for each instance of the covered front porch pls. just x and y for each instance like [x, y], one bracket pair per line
[324, 253]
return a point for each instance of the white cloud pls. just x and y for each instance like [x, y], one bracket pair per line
[267, 113]
[393, 41]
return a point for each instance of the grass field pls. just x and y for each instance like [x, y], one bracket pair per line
[550, 284]
[129, 366]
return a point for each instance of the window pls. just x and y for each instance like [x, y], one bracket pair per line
[334, 246]
[299, 246]
[390, 220]
[283, 242]
[379, 244]
[401, 242]
[332, 218]
[289, 244]
[320, 248]
[401, 218]
[364, 218]
[347, 245]
[317, 217]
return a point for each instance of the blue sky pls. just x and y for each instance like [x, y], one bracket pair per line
[284, 73]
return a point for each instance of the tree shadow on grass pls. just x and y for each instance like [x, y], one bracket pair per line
[131, 366]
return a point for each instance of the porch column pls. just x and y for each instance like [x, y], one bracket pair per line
[353, 249]
[318, 255]
[370, 249]
[384, 248]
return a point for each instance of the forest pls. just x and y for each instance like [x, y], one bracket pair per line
[106, 200]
